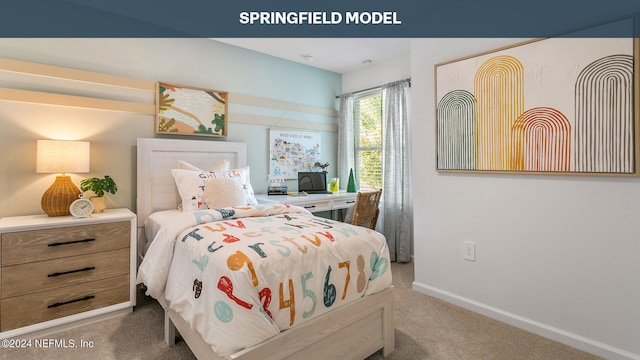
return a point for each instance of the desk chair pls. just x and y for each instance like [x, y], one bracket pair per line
[365, 210]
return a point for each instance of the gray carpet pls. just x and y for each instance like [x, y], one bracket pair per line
[426, 328]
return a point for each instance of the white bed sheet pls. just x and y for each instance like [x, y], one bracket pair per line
[153, 224]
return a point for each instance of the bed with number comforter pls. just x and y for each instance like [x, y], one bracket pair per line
[241, 275]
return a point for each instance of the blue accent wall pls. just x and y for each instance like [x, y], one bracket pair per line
[201, 63]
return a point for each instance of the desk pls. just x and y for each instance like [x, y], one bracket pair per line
[313, 202]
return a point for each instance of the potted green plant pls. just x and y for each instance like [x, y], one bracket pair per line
[99, 186]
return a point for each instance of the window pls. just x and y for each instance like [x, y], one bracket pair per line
[367, 129]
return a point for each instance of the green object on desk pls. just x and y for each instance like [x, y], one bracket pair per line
[351, 185]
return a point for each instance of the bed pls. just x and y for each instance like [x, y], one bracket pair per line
[355, 321]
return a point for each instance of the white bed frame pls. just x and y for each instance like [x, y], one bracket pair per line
[354, 331]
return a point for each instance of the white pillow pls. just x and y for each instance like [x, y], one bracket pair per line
[222, 165]
[191, 185]
[221, 193]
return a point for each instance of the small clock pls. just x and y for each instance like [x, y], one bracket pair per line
[81, 207]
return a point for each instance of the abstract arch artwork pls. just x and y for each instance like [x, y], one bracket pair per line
[552, 106]
[603, 131]
[456, 130]
[498, 86]
[541, 141]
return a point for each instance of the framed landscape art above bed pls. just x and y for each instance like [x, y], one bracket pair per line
[183, 110]
[566, 105]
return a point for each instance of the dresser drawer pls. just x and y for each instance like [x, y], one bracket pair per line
[45, 275]
[45, 244]
[30, 309]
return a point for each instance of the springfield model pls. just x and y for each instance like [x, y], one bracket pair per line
[318, 18]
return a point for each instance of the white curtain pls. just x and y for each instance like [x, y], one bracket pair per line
[396, 189]
[346, 142]
[396, 215]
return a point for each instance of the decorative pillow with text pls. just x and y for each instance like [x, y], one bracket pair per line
[191, 185]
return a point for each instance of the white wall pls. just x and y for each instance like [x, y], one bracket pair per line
[557, 255]
[377, 74]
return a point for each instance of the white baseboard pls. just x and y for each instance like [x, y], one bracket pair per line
[576, 341]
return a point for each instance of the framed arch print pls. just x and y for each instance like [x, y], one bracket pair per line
[566, 105]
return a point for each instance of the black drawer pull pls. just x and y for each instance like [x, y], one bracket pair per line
[309, 207]
[88, 297]
[351, 202]
[72, 271]
[71, 242]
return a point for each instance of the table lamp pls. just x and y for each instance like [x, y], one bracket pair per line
[61, 156]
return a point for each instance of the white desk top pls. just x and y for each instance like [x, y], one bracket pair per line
[290, 199]
[313, 202]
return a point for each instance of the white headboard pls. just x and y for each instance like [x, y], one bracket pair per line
[156, 188]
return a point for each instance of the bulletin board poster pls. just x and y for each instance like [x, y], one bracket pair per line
[291, 151]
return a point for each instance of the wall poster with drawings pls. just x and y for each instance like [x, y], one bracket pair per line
[291, 151]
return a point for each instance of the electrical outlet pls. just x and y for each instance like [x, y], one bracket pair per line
[469, 251]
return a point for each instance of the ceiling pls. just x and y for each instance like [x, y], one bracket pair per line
[339, 55]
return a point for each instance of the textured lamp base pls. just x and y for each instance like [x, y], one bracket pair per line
[59, 196]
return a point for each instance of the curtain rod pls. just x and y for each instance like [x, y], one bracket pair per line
[375, 87]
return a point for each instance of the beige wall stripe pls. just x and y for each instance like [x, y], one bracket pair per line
[258, 101]
[271, 121]
[74, 74]
[38, 97]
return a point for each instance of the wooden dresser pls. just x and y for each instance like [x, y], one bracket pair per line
[58, 272]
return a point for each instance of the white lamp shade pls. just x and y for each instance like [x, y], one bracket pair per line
[62, 156]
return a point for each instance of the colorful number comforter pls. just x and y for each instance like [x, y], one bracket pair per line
[241, 275]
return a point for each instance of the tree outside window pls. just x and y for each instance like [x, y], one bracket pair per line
[368, 139]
